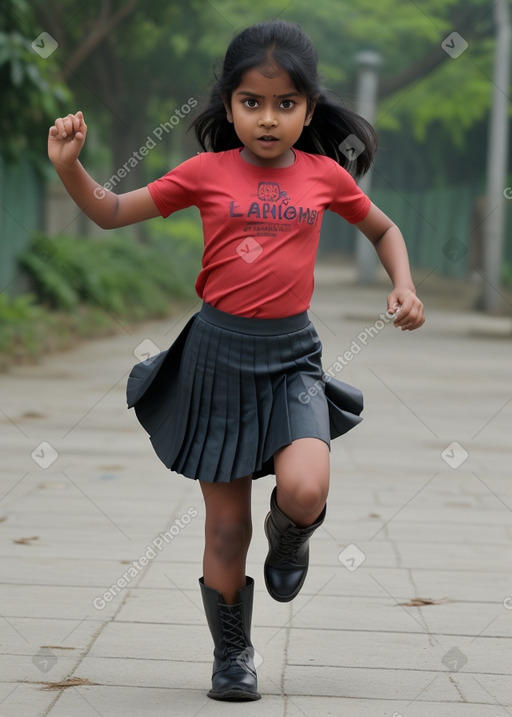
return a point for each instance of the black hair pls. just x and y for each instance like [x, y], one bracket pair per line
[288, 46]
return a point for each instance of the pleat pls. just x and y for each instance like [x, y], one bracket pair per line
[203, 409]
[194, 401]
[345, 404]
[221, 401]
[244, 450]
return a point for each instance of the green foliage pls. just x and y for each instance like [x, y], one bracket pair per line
[455, 96]
[20, 322]
[32, 94]
[160, 54]
[117, 275]
[85, 287]
[506, 275]
[27, 330]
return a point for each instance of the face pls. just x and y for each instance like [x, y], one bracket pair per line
[268, 114]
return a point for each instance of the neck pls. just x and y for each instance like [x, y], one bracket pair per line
[286, 159]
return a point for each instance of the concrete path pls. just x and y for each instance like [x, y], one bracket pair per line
[407, 609]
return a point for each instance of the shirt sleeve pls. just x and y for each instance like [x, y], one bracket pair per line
[349, 200]
[178, 188]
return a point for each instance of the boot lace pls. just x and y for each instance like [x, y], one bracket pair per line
[289, 544]
[232, 630]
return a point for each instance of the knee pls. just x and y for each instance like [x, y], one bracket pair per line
[229, 539]
[306, 501]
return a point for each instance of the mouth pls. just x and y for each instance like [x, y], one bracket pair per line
[267, 139]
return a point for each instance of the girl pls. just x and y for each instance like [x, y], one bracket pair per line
[241, 392]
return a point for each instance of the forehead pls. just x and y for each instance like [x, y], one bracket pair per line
[268, 80]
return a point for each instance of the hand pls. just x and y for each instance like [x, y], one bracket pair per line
[409, 310]
[66, 139]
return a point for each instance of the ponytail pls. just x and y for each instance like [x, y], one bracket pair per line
[212, 129]
[340, 133]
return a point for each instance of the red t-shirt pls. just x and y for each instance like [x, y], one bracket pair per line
[261, 226]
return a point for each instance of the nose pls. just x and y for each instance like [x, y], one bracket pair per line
[267, 118]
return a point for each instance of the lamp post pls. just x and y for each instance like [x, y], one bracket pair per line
[366, 105]
[494, 224]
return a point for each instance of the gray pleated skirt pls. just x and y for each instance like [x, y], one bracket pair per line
[231, 391]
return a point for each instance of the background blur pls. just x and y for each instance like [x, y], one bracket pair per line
[140, 72]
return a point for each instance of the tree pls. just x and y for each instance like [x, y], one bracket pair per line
[132, 65]
[31, 90]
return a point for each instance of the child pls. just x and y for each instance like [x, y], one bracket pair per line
[241, 392]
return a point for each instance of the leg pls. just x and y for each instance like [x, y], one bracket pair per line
[228, 531]
[302, 479]
[297, 509]
[226, 591]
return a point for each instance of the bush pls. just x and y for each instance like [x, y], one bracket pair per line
[123, 278]
[20, 322]
[82, 286]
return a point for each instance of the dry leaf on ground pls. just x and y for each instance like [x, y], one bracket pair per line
[419, 602]
[69, 682]
[25, 541]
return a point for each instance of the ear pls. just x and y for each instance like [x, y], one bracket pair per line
[227, 106]
[309, 115]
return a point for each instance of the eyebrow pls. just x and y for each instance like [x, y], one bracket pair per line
[258, 97]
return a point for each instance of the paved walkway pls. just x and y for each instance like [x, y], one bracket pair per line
[419, 513]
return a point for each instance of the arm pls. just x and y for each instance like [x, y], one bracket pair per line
[65, 141]
[390, 246]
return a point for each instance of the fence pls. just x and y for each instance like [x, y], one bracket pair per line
[20, 216]
[442, 228]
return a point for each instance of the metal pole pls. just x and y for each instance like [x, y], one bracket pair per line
[366, 106]
[493, 230]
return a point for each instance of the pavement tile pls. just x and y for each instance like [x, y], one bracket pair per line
[336, 706]
[369, 683]
[18, 699]
[92, 701]
[26, 636]
[401, 523]
[397, 651]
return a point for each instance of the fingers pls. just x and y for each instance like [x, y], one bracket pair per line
[410, 315]
[69, 126]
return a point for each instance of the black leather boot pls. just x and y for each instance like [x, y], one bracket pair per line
[234, 674]
[287, 561]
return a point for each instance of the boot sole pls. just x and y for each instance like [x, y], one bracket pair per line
[234, 696]
[279, 598]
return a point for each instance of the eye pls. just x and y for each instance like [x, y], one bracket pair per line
[250, 102]
[287, 104]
